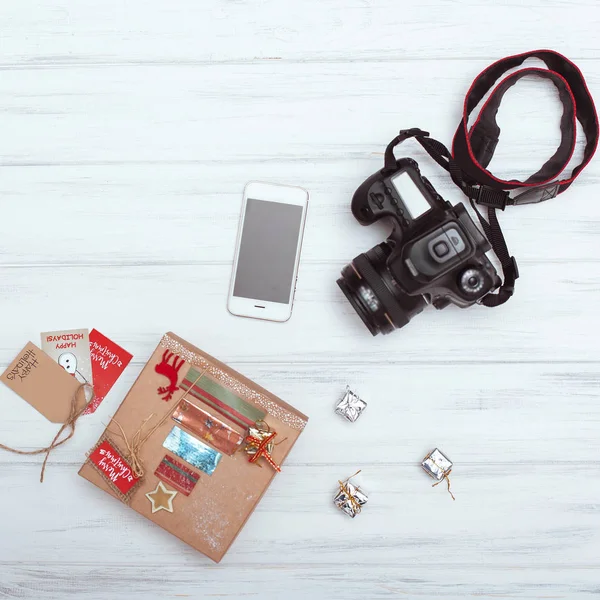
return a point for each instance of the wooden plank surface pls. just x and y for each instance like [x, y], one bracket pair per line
[128, 130]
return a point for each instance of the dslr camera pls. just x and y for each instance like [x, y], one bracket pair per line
[434, 255]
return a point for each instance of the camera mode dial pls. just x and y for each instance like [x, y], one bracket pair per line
[471, 281]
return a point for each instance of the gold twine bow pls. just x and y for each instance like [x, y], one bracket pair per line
[447, 478]
[71, 421]
[344, 489]
[134, 447]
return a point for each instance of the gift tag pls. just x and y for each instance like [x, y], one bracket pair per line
[42, 383]
[108, 362]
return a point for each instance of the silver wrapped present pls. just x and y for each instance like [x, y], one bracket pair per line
[350, 406]
[350, 498]
[437, 465]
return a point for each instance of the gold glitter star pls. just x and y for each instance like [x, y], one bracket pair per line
[161, 498]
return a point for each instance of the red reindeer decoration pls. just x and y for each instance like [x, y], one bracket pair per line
[171, 372]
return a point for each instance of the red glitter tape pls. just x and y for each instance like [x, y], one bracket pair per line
[178, 475]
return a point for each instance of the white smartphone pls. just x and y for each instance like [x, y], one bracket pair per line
[267, 255]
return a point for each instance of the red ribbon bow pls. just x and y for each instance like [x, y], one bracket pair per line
[260, 446]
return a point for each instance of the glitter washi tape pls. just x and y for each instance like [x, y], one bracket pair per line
[220, 399]
[192, 450]
[177, 475]
[207, 427]
[272, 407]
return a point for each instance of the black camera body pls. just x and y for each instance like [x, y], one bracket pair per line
[434, 255]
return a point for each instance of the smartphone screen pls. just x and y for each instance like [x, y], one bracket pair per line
[267, 252]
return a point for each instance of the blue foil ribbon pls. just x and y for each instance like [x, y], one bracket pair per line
[192, 450]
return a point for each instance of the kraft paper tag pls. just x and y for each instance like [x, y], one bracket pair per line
[42, 383]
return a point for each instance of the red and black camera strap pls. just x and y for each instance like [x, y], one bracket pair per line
[473, 148]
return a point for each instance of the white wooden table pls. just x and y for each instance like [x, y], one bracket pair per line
[128, 129]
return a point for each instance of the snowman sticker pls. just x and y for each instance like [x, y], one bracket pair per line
[68, 361]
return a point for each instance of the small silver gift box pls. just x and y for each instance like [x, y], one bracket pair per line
[437, 465]
[350, 406]
[350, 498]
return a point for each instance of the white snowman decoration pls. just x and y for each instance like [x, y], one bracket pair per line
[68, 361]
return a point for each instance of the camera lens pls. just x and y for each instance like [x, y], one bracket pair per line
[371, 290]
[471, 282]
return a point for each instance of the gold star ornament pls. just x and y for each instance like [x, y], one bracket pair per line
[161, 498]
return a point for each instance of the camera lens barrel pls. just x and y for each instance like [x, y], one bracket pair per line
[394, 312]
[359, 297]
[370, 288]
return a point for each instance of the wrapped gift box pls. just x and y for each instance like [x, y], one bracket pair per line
[185, 418]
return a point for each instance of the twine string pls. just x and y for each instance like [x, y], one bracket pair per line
[136, 443]
[344, 489]
[447, 478]
[70, 423]
[261, 424]
[133, 447]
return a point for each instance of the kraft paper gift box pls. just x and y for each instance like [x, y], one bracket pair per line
[187, 419]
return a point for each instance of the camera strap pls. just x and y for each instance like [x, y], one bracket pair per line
[474, 147]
